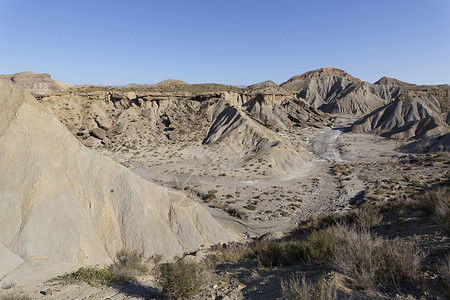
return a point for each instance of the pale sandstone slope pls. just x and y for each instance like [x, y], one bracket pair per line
[61, 203]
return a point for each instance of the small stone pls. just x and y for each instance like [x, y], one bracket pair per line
[146, 113]
[48, 292]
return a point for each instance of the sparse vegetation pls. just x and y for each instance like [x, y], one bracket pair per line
[444, 279]
[437, 204]
[12, 292]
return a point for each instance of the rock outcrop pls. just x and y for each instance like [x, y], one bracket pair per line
[64, 205]
[37, 84]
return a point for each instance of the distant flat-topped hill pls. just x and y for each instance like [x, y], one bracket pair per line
[171, 82]
[37, 84]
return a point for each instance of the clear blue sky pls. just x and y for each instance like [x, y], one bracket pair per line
[225, 41]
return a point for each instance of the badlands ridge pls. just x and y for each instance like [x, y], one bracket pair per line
[170, 168]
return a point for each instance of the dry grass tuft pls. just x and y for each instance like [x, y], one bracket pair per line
[294, 288]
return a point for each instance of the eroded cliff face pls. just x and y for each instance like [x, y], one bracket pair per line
[66, 205]
[250, 124]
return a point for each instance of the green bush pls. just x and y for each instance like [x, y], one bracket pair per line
[127, 265]
[250, 207]
[181, 279]
[317, 248]
[92, 275]
[269, 253]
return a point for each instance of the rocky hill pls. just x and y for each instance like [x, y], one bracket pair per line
[37, 84]
[334, 91]
[63, 205]
[262, 84]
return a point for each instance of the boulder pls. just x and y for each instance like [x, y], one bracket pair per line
[98, 133]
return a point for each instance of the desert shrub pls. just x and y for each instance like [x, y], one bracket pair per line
[250, 207]
[367, 258]
[209, 198]
[92, 275]
[157, 258]
[233, 254]
[399, 261]
[444, 277]
[237, 213]
[437, 204]
[368, 216]
[316, 248]
[181, 279]
[11, 292]
[268, 253]
[294, 288]
[126, 266]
